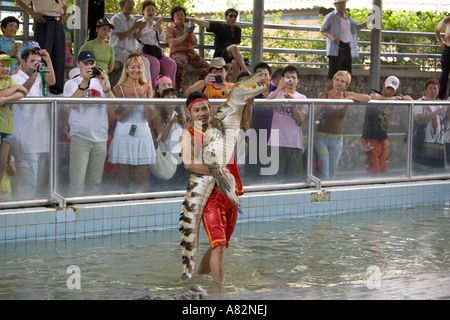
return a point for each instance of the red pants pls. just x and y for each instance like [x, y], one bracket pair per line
[377, 155]
[219, 219]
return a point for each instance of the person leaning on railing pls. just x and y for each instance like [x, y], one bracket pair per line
[9, 91]
[376, 118]
[31, 137]
[287, 122]
[328, 141]
[428, 155]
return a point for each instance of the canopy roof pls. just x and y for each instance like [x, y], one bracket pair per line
[204, 6]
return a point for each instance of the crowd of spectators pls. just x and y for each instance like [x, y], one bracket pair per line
[127, 136]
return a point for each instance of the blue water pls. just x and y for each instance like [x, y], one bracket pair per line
[398, 254]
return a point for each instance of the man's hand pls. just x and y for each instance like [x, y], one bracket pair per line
[139, 24]
[46, 56]
[38, 17]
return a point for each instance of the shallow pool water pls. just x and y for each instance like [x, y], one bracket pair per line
[314, 257]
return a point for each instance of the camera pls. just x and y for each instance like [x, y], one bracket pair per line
[218, 78]
[174, 114]
[96, 71]
[41, 68]
[289, 80]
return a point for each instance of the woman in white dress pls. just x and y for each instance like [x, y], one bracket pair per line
[132, 147]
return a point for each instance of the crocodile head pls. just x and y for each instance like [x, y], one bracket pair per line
[247, 87]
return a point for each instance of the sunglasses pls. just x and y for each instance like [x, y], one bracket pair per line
[35, 51]
[232, 15]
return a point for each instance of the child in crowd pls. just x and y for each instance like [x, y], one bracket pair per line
[5, 184]
[9, 91]
[162, 82]
[8, 43]
[170, 123]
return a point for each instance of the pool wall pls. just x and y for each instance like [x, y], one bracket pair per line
[133, 216]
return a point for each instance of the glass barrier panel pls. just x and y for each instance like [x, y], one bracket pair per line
[431, 140]
[273, 149]
[359, 141]
[26, 175]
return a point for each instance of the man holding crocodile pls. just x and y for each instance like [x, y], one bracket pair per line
[219, 214]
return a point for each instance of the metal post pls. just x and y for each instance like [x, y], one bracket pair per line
[80, 25]
[257, 34]
[375, 46]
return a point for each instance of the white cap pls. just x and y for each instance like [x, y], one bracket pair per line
[393, 82]
[335, 1]
[73, 73]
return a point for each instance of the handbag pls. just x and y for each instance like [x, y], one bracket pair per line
[152, 49]
[165, 166]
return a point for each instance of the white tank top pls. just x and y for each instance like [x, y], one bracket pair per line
[346, 34]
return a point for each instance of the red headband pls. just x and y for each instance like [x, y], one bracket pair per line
[195, 101]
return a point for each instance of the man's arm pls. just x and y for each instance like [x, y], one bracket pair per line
[124, 34]
[201, 23]
[437, 32]
[198, 86]
[425, 118]
[49, 77]
[36, 16]
[187, 155]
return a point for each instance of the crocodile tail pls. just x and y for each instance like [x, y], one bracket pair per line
[198, 190]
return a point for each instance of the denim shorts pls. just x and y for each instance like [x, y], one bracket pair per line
[6, 137]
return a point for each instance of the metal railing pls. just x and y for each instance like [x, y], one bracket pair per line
[403, 173]
[432, 54]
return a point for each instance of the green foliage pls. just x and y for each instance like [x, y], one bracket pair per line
[163, 6]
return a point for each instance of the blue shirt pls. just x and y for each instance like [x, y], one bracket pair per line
[332, 24]
[5, 46]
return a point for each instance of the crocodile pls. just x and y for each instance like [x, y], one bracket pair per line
[217, 149]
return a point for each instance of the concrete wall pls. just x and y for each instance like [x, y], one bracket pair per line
[313, 81]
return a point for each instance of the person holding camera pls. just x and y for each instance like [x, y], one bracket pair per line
[31, 139]
[214, 86]
[88, 125]
[286, 133]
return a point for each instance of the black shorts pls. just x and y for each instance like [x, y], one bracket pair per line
[224, 54]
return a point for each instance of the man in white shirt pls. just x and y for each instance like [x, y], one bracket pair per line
[31, 139]
[123, 37]
[88, 126]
